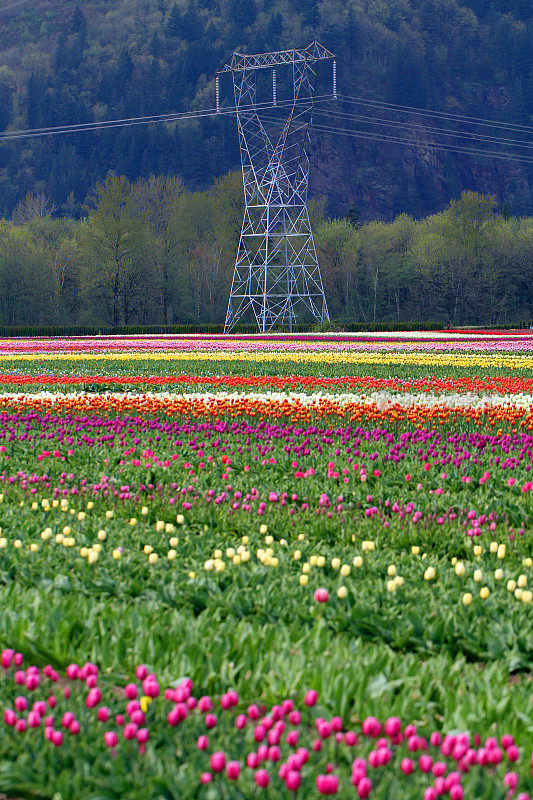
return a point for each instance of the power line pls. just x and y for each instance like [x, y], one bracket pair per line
[321, 127]
[12, 6]
[427, 129]
[416, 143]
[389, 139]
[82, 127]
[433, 113]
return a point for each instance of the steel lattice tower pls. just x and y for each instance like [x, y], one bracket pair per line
[276, 269]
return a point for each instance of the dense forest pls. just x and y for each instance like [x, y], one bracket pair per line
[154, 252]
[62, 63]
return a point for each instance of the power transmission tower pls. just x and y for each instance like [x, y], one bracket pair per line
[276, 269]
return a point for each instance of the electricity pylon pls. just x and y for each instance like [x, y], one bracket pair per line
[276, 269]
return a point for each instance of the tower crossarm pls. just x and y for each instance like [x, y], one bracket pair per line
[240, 62]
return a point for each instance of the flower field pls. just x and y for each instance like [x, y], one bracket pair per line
[283, 566]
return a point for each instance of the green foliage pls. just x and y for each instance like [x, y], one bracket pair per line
[151, 255]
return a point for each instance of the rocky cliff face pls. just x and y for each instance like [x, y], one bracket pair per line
[383, 180]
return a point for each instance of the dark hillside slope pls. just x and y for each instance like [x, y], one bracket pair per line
[131, 57]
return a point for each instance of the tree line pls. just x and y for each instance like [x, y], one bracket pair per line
[152, 252]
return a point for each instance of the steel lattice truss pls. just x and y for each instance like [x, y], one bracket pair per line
[276, 270]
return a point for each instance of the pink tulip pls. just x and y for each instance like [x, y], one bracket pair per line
[393, 726]
[327, 784]
[34, 719]
[218, 762]
[93, 698]
[130, 730]
[150, 687]
[40, 707]
[21, 704]
[510, 780]
[364, 788]
[57, 738]
[311, 696]
[293, 780]
[20, 725]
[292, 738]
[513, 753]
[252, 760]
[130, 690]
[233, 770]
[262, 778]
[6, 658]
[111, 738]
[371, 727]
[67, 718]
[205, 704]
[274, 754]
[143, 735]
[10, 718]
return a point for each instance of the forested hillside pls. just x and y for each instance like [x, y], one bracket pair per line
[60, 63]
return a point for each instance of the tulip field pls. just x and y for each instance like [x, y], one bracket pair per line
[288, 566]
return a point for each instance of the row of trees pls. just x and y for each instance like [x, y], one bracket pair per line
[151, 252]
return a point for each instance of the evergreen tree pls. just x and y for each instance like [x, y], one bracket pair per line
[192, 24]
[79, 24]
[155, 45]
[243, 13]
[124, 68]
[353, 216]
[174, 25]
[274, 30]
[61, 58]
